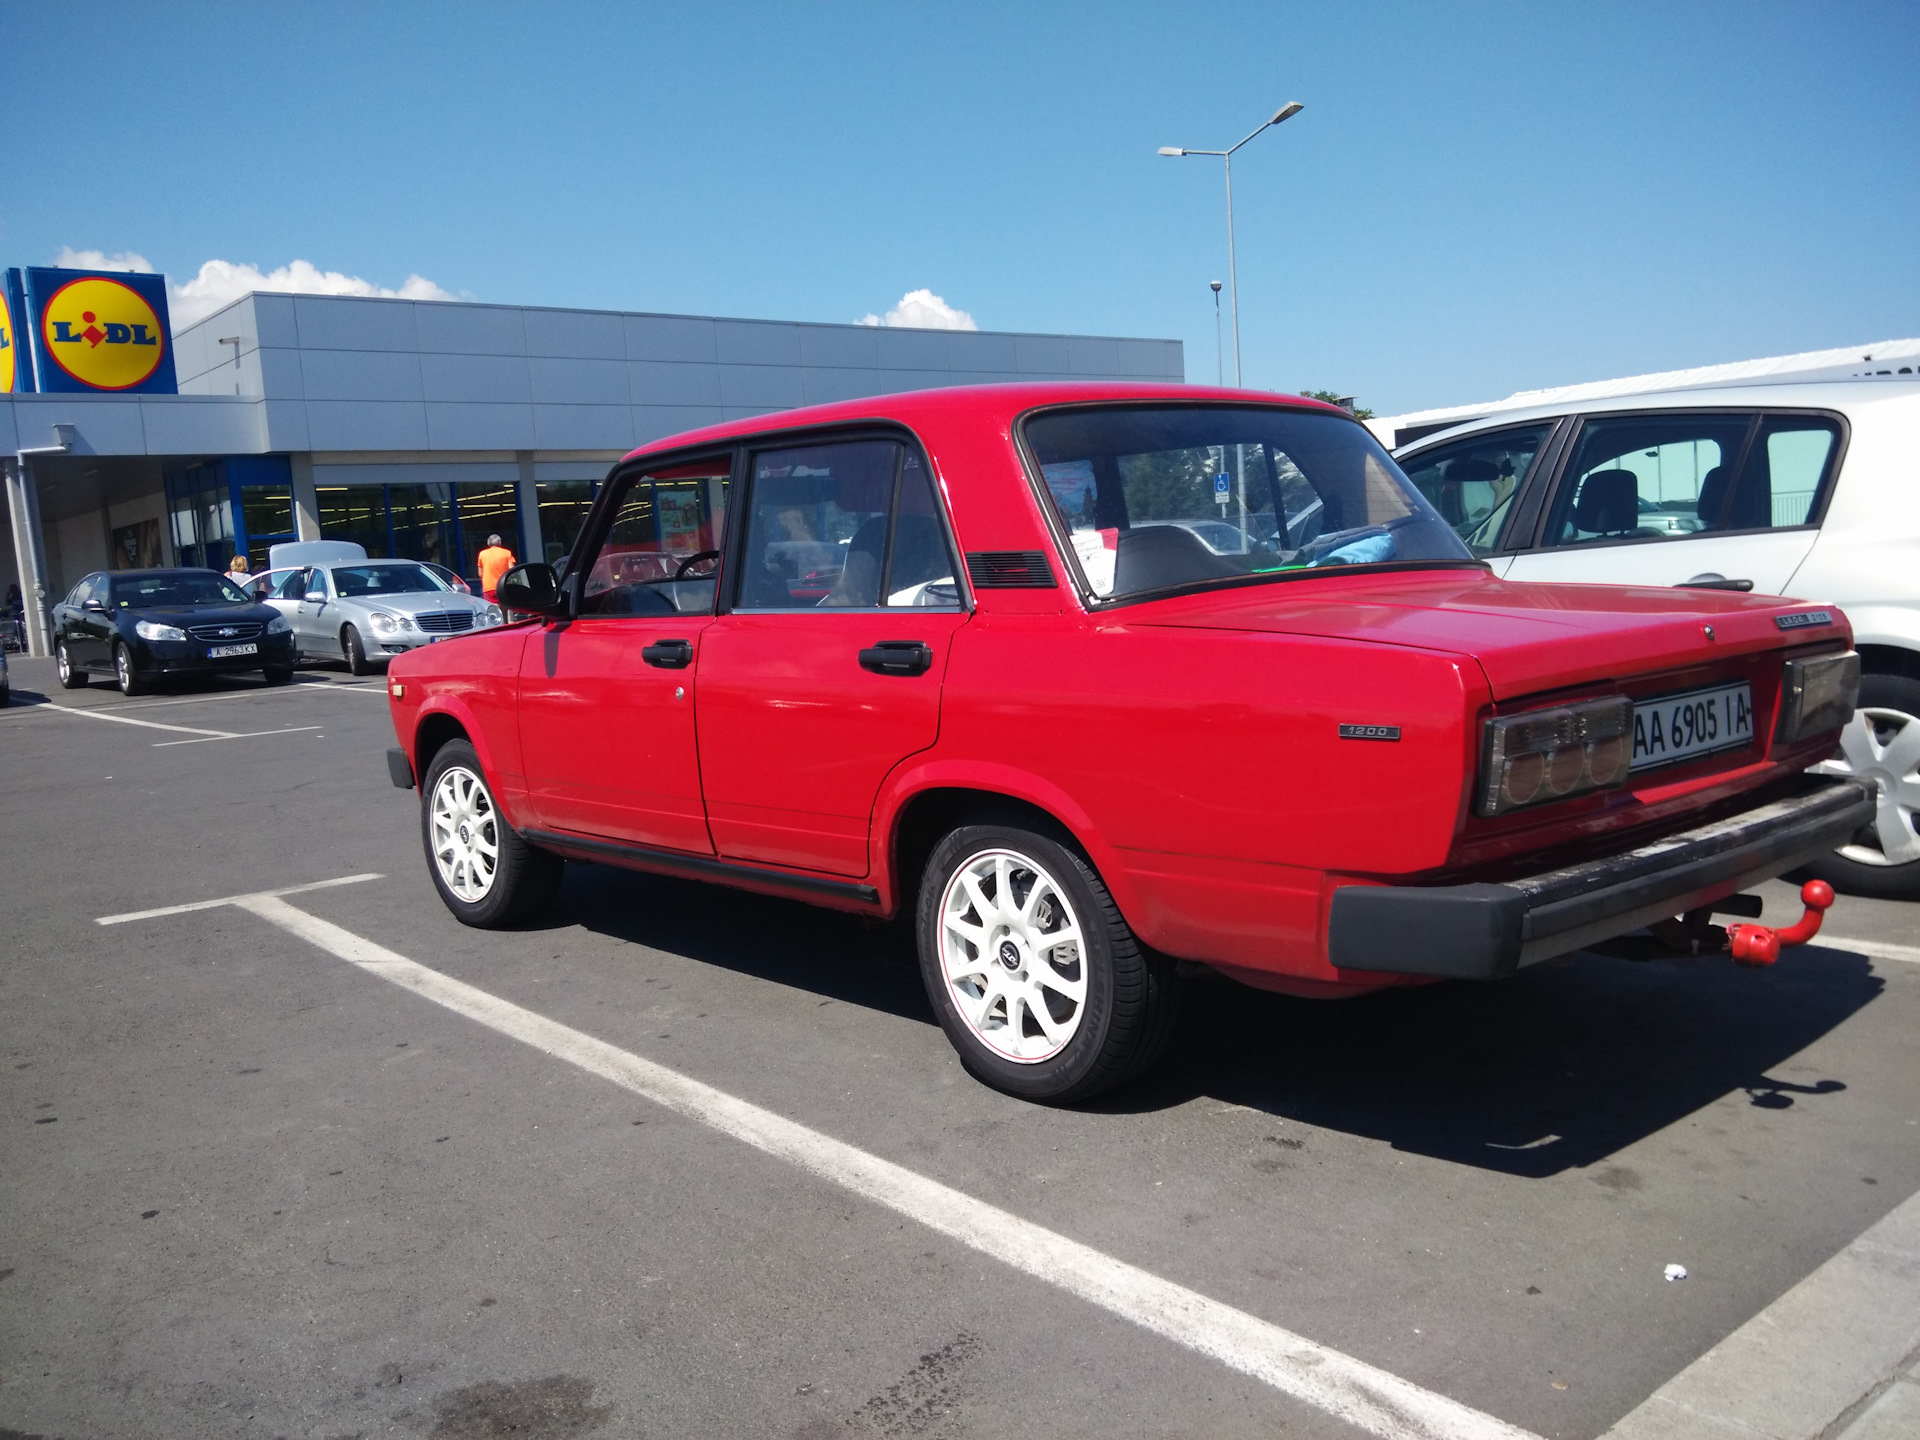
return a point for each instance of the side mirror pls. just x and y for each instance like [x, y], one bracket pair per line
[532, 587]
[315, 597]
[96, 606]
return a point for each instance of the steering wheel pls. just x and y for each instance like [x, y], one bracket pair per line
[693, 560]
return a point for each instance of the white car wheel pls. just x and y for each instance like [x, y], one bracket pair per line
[1011, 951]
[465, 834]
[1883, 746]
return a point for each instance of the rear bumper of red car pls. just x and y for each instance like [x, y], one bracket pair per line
[1486, 931]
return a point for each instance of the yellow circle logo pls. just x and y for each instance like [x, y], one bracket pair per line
[102, 333]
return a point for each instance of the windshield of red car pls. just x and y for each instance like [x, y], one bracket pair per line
[1163, 497]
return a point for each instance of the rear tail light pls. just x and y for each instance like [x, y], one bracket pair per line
[1818, 695]
[1543, 755]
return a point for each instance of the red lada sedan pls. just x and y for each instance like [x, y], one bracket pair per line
[1098, 679]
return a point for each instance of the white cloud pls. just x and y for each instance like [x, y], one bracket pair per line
[221, 282]
[72, 259]
[922, 310]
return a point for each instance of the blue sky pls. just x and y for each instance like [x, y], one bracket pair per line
[1478, 197]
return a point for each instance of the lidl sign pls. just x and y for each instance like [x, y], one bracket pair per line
[9, 345]
[100, 330]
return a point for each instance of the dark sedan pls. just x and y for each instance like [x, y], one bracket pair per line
[140, 626]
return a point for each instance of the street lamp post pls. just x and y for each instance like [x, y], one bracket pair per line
[1219, 365]
[1285, 112]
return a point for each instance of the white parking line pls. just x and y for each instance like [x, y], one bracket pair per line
[245, 735]
[292, 687]
[235, 899]
[150, 724]
[1872, 949]
[1372, 1399]
[203, 735]
[1796, 1367]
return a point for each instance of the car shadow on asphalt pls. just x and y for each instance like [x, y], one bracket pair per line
[826, 952]
[1555, 1069]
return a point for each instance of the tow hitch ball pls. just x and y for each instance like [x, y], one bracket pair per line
[1760, 944]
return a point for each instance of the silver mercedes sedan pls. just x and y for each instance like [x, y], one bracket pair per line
[367, 611]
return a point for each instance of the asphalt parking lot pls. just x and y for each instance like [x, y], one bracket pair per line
[251, 1188]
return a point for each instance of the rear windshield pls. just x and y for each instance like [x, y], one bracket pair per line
[1162, 497]
[180, 588]
[385, 579]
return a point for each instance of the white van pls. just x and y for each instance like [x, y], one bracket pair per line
[1806, 489]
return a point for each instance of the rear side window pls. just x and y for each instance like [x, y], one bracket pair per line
[1472, 483]
[1670, 477]
[851, 525]
[1789, 465]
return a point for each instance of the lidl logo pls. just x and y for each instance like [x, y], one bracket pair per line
[9, 349]
[100, 332]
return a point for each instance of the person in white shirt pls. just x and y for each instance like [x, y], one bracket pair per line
[237, 571]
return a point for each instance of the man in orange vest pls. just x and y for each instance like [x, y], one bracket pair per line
[495, 561]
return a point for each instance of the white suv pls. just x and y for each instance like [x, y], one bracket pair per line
[1807, 489]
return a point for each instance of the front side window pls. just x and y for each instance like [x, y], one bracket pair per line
[1472, 483]
[1668, 477]
[852, 525]
[662, 545]
[1159, 497]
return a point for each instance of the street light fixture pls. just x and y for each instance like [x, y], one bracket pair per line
[1285, 112]
[1219, 365]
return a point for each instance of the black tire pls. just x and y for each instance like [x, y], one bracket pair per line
[124, 674]
[355, 649]
[1130, 997]
[525, 878]
[277, 675]
[1897, 699]
[72, 677]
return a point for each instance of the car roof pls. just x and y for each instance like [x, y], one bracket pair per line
[1845, 396]
[1000, 404]
[157, 570]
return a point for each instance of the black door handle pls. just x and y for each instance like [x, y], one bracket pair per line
[669, 654]
[898, 657]
[1712, 581]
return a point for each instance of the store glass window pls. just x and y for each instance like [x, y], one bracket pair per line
[485, 510]
[423, 528]
[563, 515]
[354, 512]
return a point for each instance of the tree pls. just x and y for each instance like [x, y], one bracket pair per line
[1345, 402]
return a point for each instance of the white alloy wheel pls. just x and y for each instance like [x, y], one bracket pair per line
[1012, 955]
[1883, 746]
[466, 833]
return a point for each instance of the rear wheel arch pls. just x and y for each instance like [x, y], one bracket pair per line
[928, 816]
[1890, 660]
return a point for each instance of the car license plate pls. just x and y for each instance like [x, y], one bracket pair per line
[1679, 727]
[220, 652]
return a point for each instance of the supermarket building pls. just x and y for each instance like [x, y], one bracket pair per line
[419, 427]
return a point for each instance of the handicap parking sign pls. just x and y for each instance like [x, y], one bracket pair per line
[1220, 482]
